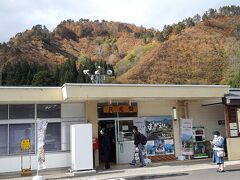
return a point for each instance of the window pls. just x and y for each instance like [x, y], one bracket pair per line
[3, 111]
[53, 137]
[18, 132]
[3, 139]
[21, 111]
[49, 111]
[125, 130]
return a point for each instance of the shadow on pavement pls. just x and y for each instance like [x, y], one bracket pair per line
[110, 172]
[232, 170]
[156, 176]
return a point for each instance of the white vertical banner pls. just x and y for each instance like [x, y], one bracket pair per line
[187, 136]
[42, 127]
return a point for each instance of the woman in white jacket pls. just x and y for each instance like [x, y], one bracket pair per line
[218, 150]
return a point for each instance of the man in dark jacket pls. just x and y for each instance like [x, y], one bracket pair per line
[139, 147]
[105, 145]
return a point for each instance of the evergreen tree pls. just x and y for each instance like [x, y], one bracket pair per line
[68, 72]
[81, 76]
[42, 78]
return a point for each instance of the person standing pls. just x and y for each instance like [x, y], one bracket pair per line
[105, 147]
[139, 146]
[218, 150]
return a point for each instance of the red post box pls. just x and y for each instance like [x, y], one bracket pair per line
[95, 143]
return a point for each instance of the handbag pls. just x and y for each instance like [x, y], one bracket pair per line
[136, 155]
[220, 153]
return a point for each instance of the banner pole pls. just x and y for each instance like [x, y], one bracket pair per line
[37, 163]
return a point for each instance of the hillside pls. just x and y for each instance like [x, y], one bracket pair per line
[70, 40]
[203, 54]
[197, 50]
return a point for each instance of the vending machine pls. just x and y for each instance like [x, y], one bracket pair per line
[199, 143]
[81, 147]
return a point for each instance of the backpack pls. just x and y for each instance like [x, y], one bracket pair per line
[143, 139]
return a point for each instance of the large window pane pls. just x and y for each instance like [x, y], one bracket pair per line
[3, 139]
[125, 130]
[21, 111]
[49, 111]
[53, 137]
[3, 111]
[18, 132]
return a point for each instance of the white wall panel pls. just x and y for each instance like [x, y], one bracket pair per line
[53, 160]
[207, 116]
[73, 110]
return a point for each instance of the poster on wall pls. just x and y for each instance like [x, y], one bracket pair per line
[159, 127]
[169, 146]
[233, 132]
[233, 125]
[150, 148]
[187, 136]
[159, 146]
[140, 124]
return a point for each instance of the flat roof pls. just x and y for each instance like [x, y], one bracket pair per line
[146, 85]
[83, 92]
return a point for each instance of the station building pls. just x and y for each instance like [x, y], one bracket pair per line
[117, 107]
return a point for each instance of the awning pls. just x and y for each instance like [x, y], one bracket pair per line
[233, 98]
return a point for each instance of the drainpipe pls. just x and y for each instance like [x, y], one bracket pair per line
[186, 110]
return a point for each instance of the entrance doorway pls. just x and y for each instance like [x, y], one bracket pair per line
[110, 129]
[121, 139]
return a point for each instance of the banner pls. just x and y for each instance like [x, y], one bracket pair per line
[187, 136]
[42, 127]
[159, 127]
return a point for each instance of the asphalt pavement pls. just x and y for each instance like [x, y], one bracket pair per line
[175, 170]
[231, 173]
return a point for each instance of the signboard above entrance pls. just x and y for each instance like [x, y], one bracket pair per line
[120, 109]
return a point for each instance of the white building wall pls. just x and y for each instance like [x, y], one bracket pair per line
[160, 108]
[71, 113]
[73, 110]
[53, 160]
[207, 116]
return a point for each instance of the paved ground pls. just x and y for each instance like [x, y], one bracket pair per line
[232, 173]
[177, 170]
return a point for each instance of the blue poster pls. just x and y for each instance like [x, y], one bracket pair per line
[150, 148]
[169, 146]
[159, 146]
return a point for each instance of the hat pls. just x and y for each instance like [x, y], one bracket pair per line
[216, 133]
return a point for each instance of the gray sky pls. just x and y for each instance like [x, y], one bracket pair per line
[19, 15]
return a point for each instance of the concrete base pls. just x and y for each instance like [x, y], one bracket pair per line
[82, 173]
[233, 148]
[38, 178]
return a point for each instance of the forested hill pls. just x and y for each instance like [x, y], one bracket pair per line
[198, 50]
[70, 44]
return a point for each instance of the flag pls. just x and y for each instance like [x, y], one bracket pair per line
[42, 127]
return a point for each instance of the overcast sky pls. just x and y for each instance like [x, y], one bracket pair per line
[19, 15]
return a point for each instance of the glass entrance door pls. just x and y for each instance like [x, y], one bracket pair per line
[125, 144]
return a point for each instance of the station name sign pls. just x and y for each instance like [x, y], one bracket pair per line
[120, 109]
